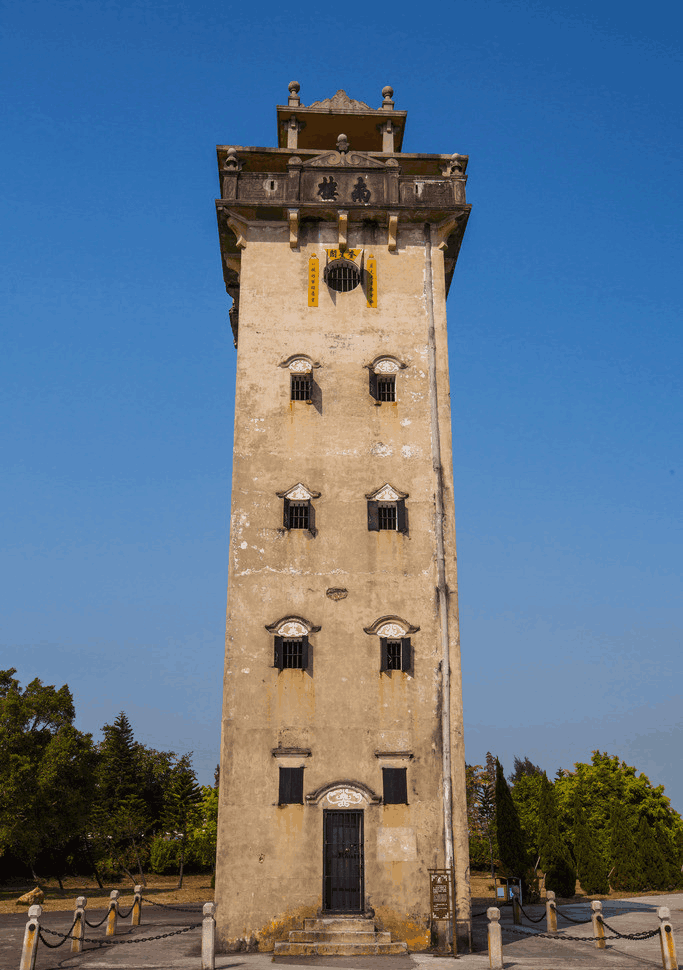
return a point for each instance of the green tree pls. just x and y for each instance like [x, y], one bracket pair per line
[590, 863]
[511, 844]
[182, 800]
[46, 772]
[556, 861]
[626, 873]
[481, 813]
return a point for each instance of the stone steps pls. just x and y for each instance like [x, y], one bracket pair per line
[332, 936]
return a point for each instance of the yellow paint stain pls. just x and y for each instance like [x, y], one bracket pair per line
[414, 930]
[278, 929]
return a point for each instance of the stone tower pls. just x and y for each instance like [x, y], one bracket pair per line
[342, 759]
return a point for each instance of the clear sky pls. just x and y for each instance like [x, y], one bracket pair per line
[117, 368]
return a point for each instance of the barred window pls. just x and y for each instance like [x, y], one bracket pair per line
[396, 654]
[291, 791]
[342, 275]
[291, 653]
[386, 387]
[395, 784]
[387, 517]
[299, 515]
[300, 387]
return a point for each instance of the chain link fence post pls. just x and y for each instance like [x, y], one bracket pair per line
[79, 925]
[550, 912]
[495, 939]
[30, 945]
[137, 907]
[113, 912]
[209, 937]
[598, 928]
[666, 938]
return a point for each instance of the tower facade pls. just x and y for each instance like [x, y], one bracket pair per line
[342, 761]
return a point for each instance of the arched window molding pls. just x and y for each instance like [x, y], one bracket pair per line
[387, 510]
[396, 648]
[291, 647]
[298, 508]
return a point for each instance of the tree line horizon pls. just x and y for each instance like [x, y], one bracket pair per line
[117, 809]
[603, 824]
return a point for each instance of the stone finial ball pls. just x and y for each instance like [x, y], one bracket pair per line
[294, 87]
[387, 92]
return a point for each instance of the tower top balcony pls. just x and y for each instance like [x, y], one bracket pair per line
[318, 126]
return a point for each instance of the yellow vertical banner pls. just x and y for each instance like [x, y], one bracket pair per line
[371, 277]
[313, 276]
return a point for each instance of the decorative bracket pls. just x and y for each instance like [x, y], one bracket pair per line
[293, 228]
[393, 232]
[343, 228]
[239, 228]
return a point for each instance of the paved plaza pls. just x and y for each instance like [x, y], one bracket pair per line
[520, 952]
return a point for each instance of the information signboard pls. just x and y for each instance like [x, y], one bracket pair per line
[441, 893]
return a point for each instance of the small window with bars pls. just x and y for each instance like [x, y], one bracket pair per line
[395, 785]
[396, 654]
[301, 387]
[387, 516]
[291, 790]
[299, 515]
[383, 387]
[342, 275]
[291, 653]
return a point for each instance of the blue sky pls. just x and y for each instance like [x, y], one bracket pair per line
[117, 371]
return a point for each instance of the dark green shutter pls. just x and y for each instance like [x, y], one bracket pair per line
[311, 519]
[285, 520]
[277, 661]
[374, 392]
[384, 654]
[406, 655]
[373, 516]
[401, 516]
[395, 786]
[304, 652]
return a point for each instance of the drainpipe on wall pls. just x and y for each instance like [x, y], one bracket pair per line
[441, 589]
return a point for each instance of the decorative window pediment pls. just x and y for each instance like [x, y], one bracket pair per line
[343, 794]
[298, 493]
[387, 364]
[386, 493]
[292, 626]
[299, 364]
[391, 626]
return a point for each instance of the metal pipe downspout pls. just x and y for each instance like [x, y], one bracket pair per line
[441, 589]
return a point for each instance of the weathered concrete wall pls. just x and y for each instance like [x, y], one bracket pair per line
[269, 868]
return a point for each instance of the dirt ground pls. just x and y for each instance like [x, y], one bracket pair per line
[197, 889]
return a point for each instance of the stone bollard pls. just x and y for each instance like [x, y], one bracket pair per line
[598, 927]
[79, 925]
[550, 912]
[516, 914]
[209, 937]
[495, 939]
[113, 912]
[666, 938]
[136, 915]
[30, 945]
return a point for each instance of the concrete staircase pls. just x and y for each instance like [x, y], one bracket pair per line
[339, 936]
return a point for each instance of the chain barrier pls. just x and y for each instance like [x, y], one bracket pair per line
[93, 926]
[178, 909]
[123, 915]
[53, 946]
[571, 918]
[531, 918]
[642, 935]
[477, 915]
[105, 942]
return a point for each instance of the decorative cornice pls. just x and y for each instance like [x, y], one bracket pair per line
[291, 752]
[310, 493]
[405, 755]
[333, 159]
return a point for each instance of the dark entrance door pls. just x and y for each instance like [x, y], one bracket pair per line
[343, 862]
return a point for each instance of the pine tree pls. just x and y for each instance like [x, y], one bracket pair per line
[626, 872]
[653, 865]
[590, 864]
[182, 799]
[556, 861]
[511, 844]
